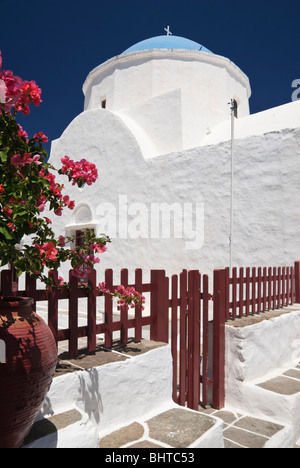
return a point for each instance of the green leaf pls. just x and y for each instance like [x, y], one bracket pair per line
[6, 233]
[3, 156]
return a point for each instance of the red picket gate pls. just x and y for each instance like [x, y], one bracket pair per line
[197, 340]
[190, 334]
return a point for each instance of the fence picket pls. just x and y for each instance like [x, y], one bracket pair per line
[138, 310]
[30, 287]
[284, 299]
[280, 301]
[274, 288]
[92, 311]
[269, 288]
[297, 282]
[253, 290]
[183, 338]
[219, 339]
[241, 292]
[292, 276]
[73, 315]
[108, 309]
[193, 339]
[53, 295]
[247, 291]
[234, 291]
[124, 312]
[205, 346]
[227, 293]
[259, 290]
[174, 334]
[264, 297]
[159, 304]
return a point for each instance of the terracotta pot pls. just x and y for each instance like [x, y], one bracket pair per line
[26, 375]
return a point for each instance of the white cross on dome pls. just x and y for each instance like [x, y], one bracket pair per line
[168, 31]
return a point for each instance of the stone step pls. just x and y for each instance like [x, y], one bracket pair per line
[276, 398]
[244, 431]
[177, 427]
[284, 391]
[69, 429]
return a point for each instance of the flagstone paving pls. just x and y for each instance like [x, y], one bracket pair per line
[174, 428]
[177, 427]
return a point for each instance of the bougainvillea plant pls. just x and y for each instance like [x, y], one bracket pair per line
[28, 185]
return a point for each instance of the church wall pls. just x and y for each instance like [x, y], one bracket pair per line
[161, 120]
[195, 187]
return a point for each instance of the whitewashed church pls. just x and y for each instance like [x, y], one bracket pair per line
[188, 178]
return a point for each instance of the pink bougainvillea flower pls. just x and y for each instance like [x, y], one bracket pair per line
[69, 203]
[61, 241]
[61, 281]
[41, 201]
[16, 160]
[31, 89]
[51, 251]
[98, 248]
[79, 272]
[47, 251]
[22, 133]
[8, 211]
[13, 89]
[30, 92]
[36, 160]
[40, 136]
[11, 226]
[14, 200]
[80, 172]
[58, 212]
[27, 159]
[103, 287]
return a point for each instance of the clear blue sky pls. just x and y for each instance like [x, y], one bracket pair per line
[58, 42]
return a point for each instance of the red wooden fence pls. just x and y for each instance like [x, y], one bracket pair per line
[75, 292]
[188, 307]
[257, 290]
[202, 340]
[197, 332]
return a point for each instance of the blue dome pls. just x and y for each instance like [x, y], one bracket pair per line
[167, 42]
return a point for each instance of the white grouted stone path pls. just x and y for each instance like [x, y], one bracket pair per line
[170, 427]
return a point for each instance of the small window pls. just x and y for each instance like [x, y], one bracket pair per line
[103, 103]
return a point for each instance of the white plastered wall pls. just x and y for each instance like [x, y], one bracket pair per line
[266, 196]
